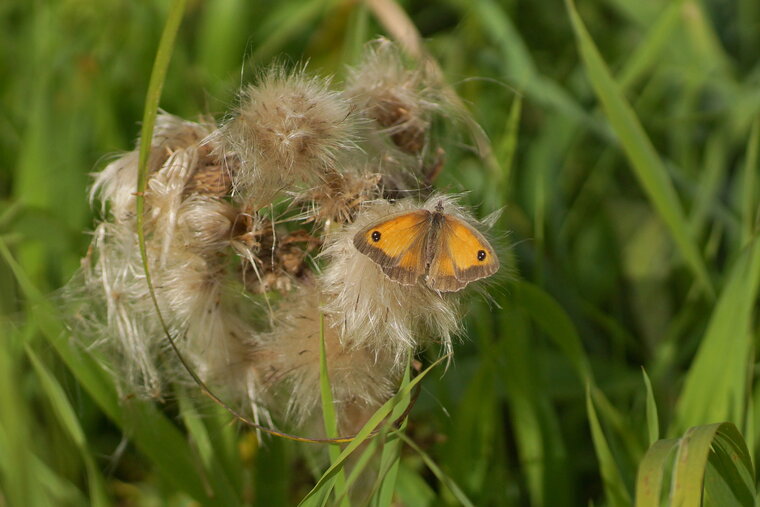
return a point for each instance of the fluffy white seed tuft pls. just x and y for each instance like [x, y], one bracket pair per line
[249, 235]
[361, 378]
[290, 129]
[372, 310]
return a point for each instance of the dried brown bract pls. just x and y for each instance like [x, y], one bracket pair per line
[278, 261]
[339, 197]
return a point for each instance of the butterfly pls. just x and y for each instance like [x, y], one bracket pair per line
[448, 250]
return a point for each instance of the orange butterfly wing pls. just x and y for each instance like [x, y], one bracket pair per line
[397, 245]
[462, 255]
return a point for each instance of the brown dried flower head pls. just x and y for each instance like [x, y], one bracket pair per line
[361, 377]
[394, 94]
[250, 231]
[290, 129]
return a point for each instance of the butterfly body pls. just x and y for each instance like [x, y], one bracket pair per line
[443, 248]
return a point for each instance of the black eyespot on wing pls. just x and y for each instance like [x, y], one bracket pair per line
[375, 236]
[481, 255]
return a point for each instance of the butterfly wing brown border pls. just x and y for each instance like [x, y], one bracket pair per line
[400, 245]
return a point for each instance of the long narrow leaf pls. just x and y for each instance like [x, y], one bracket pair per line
[153, 434]
[651, 48]
[390, 456]
[377, 418]
[653, 421]
[555, 322]
[691, 463]
[749, 202]
[644, 160]
[443, 478]
[724, 356]
[328, 414]
[652, 471]
[68, 419]
[614, 487]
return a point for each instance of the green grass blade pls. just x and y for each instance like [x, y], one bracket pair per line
[730, 459]
[525, 414]
[748, 199]
[500, 188]
[391, 453]
[67, 417]
[724, 355]
[356, 34]
[224, 492]
[651, 472]
[153, 434]
[19, 472]
[328, 414]
[540, 445]
[196, 429]
[372, 495]
[377, 418]
[156, 84]
[219, 487]
[58, 400]
[50, 322]
[289, 20]
[653, 421]
[442, 477]
[413, 490]
[651, 48]
[554, 321]
[729, 478]
[507, 147]
[152, 102]
[208, 442]
[748, 430]
[614, 486]
[704, 44]
[711, 176]
[220, 38]
[646, 164]
[519, 67]
[691, 461]
[360, 465]
[618, 422]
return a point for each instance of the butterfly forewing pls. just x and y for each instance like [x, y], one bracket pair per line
[397, 245]
[463, 255]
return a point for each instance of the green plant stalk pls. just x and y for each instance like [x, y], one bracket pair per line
[328, 414]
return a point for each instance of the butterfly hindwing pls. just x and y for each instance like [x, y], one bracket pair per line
[442, 273]
[462, 256]
[397, 245]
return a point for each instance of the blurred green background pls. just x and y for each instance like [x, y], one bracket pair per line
[626, 159]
